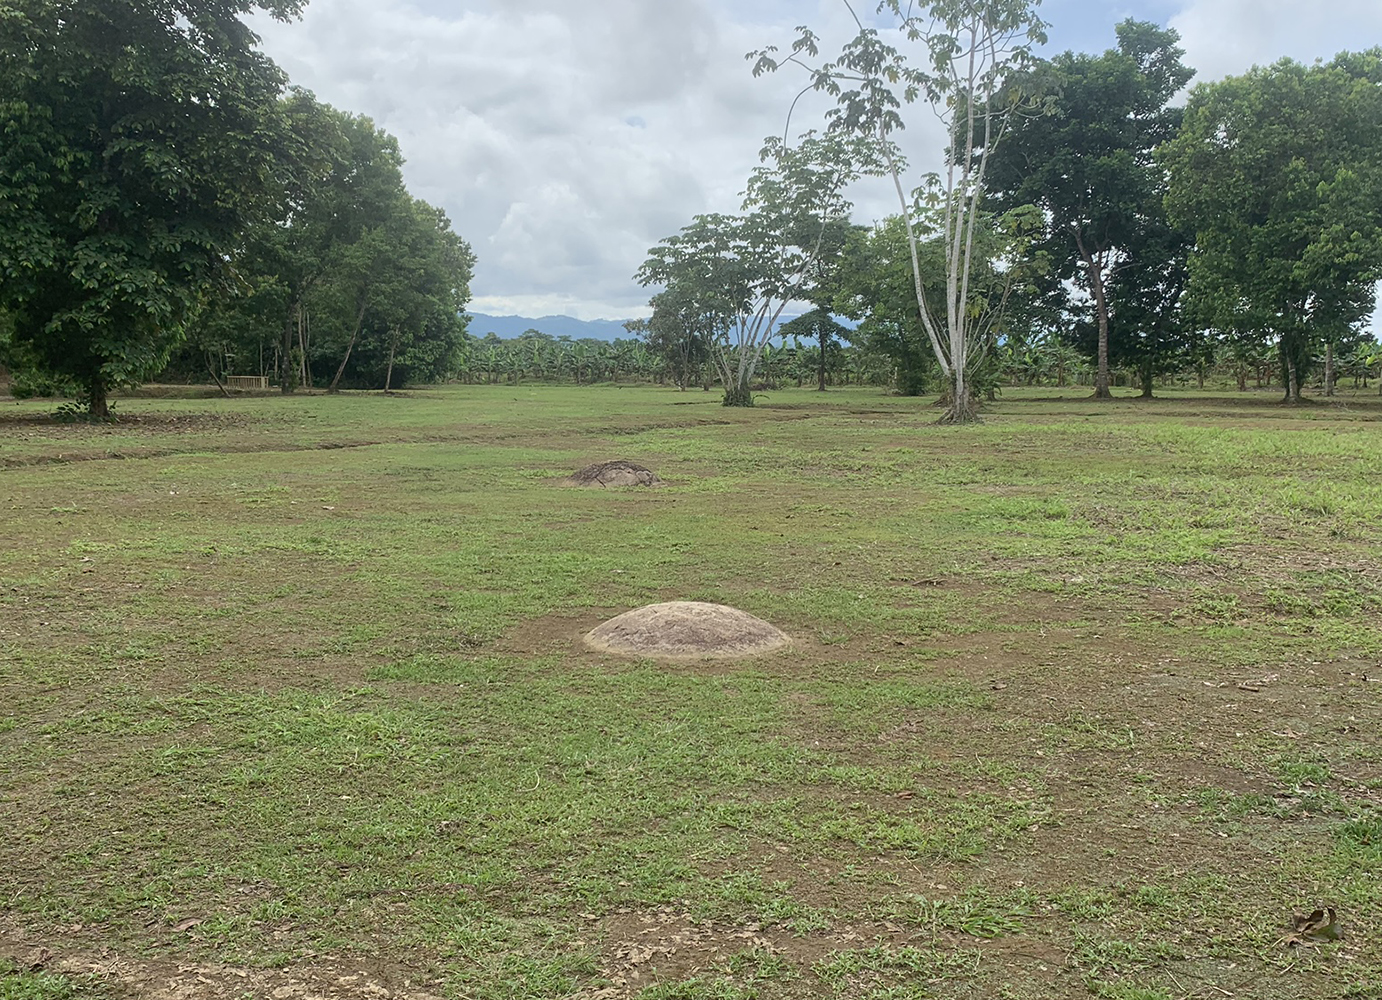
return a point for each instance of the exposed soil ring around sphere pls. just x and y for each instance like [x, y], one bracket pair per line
[616, 473]
[687, 630]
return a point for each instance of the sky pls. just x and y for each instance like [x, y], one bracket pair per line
[566, 139]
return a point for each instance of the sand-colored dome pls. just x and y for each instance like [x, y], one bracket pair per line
[687, 630]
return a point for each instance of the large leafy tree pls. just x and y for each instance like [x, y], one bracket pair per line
[679, 332]
[1088, 163]
[332, 232]
[1147, 325]
[742, 271]
[350, 272]
[1279, 172]
[141, 137]
[418, 291]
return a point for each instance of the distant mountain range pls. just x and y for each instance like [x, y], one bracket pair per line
[508, 327]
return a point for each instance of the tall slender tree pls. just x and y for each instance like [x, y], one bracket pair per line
[968, 51]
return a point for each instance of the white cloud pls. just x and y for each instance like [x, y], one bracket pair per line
[562, 143]
[564, 140]
[1226, 37]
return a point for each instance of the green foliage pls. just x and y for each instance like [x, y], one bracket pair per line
[1277, 172]
[967, 52]
[234, 236]
[876, 286]
[28, 380]
[977, 914]
[735, 274]
[16, 985]
[355, 277]
[140, 141]
[680, 332]
[820, 326]
[1361, 839]
[1086, 162]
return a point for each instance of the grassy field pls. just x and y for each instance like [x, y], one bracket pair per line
[1083, 702]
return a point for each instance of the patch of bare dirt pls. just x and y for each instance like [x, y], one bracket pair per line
[328, 978]
[644, 947]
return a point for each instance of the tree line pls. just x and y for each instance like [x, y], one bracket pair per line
[168, 199]
[169, 203]
[1078, 207]
[849, 358]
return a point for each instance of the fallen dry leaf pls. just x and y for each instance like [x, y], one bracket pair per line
[186, 925]
[1321, 925]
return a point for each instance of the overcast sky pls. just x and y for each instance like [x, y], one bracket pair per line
[564, 139]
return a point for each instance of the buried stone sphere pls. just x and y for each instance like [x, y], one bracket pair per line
[617, 473]
[687, 630]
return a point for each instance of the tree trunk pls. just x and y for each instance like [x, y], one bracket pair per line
[1242, 380]
[1292, 381]
[1102, 380]
[335, 385]
[1147, 379]
[97, 405]
[1096, 285]
[1329, 374]
[211, 367]
[393, 347]
[738, 393]
[961, 408]
[287, 377]
[821, 364]
[304, 336]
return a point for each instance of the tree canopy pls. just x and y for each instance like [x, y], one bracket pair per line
[1086, 160]
[738, 273]
[140, 141]
[967, 52]
[1279, 174]
[163, 194]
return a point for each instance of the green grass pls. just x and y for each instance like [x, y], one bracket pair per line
[1081, 702]
[16, 985]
